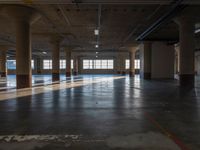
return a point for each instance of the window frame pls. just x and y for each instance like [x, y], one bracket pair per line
[98, 64]
[49, 64]
[15, 63]
[136, 64]
[62, 64]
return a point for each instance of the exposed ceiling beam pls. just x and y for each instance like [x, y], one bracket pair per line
[64, 15]
[175, 8]
[139, 25]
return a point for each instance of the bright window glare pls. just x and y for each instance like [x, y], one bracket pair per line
[47, 64]
[11, 64]
[98, 64]
[137, 64]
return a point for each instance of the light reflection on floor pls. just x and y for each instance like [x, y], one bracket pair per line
[10, 81]
[37, 80]
[101, 107]
[73, 82]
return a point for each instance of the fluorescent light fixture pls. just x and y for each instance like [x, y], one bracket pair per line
[97, 52]
[44, 52]
[96, 32]
[197, 31]
[97, 46]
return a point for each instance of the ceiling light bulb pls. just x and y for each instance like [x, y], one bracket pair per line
[44, 52]
[96, 32]
[97, 46]
[197, 31]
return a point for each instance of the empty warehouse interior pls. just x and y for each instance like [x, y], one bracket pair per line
[99, 74]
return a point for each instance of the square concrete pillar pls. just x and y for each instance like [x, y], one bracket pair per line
[162, 62]
[145, 60]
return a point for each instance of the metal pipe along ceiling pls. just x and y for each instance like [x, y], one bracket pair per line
[176, 7]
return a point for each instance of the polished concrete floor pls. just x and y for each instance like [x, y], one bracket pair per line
[101, 113]
[37, 80]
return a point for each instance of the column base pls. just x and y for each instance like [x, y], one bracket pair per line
[147, 76]
[75, 73]
[123, 72]
[186, 80]
[131, 74]
[68, 74]
[55, 77]
[3, 74]
[23, 81]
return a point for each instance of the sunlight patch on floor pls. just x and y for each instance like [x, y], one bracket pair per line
[15, 93]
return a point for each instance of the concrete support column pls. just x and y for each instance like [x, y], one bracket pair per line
[75, 70]
[23, 18]
[132, 63]
[39, 65]
[55, 41]
[177, 59]
[3, 58]
[23, 55]
[118, 65]
[145, 57]
[187, 47]
[68, 62]
[122, 63]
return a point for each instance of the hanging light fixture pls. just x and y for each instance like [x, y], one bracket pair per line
[96, 32]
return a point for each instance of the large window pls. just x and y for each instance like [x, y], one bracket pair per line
[98, 64]
[47, 64]
[72, 64]
[110, 64]
[11, 64]
[105, 64]
[127, 64]
[137, 64]
[32, 64]
[87, 64]
[63, 64]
